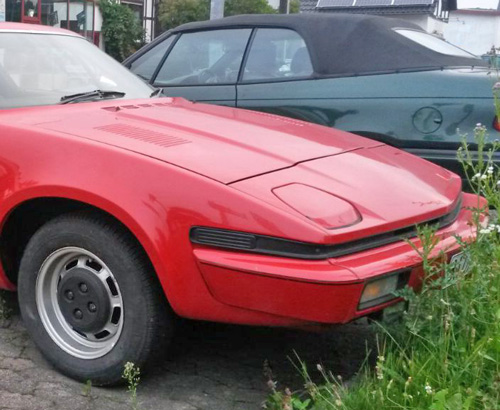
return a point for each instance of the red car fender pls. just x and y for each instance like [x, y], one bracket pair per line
[157, 202]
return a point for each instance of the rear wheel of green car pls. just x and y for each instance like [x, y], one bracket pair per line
[90, 299]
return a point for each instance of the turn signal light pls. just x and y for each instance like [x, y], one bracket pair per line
[382, 290]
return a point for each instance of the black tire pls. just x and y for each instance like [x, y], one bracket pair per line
[145, 319]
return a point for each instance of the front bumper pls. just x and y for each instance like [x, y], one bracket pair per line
[320, 291]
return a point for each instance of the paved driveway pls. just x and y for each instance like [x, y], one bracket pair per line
[210, 366]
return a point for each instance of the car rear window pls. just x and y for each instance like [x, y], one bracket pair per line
[434, 43]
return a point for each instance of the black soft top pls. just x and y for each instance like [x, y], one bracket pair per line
[347, 44]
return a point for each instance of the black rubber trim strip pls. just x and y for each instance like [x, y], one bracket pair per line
[269, 245]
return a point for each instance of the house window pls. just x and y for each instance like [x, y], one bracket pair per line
[13, 10]
[53, 12]
[31, 8]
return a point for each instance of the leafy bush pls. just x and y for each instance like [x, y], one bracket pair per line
[121, 31]
[445, 354]
[294, 6]
[235, 7]
[173, 13]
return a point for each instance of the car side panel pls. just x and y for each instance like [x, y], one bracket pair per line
[382, 106]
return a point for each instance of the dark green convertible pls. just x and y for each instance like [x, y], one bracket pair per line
[383, 78]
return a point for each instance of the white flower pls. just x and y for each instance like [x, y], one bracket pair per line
[428, 389]
[485, 231]
[490, 170]
[480, 127]
[477, 176]
[272, 384]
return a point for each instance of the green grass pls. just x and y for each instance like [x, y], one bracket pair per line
[445, 353]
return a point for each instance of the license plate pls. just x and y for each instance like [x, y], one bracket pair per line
[461, 262]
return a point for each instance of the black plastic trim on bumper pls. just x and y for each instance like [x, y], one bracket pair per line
[268, 245]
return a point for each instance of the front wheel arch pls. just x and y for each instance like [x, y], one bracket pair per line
[150, 319]
[27, 217]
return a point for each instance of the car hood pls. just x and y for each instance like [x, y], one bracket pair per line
[221, 143]
[390, 189]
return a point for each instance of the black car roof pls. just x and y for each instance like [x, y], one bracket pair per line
[347, 44]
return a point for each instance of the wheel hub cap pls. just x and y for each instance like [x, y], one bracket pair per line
[83, 300]
[79, 303]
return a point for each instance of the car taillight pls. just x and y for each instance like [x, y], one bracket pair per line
[496, 124]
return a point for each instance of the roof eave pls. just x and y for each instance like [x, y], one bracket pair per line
[379, 10]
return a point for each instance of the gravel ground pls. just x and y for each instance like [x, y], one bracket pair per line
[210, 366]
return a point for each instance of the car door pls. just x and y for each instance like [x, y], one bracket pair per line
[277, 77]
[204, 66]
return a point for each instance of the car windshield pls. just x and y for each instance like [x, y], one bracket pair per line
[41, 69]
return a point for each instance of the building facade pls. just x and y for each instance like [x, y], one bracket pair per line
[474, 30]
[80, 16]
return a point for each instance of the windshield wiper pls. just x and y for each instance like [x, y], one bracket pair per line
[91, 95]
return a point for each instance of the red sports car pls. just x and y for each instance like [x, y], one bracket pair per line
[120, 210]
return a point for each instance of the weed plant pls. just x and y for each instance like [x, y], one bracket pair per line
[445, 352]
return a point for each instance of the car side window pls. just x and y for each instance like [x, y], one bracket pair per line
[277, 54]
[146, 65]
[208, 57]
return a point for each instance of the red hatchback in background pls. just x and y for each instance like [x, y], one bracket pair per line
[120, 210]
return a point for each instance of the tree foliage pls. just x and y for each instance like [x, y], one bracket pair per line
[294, 6]
[235, 7]
[121, 31]
[173, 13]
